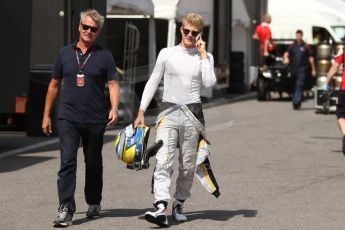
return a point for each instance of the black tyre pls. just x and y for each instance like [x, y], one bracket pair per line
[262, 89]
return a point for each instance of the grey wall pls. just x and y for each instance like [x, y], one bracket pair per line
[50, 31]
[15, 52]
[256, 10]
[32, 33]
[47, 31]
[222, 31]
[80, 5]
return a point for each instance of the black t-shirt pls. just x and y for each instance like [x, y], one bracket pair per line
[86, 104]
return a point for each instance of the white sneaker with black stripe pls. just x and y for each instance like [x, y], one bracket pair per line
[177, 211]
[158, 217]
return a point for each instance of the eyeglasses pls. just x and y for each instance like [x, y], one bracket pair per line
[86, 27]
[187, 31]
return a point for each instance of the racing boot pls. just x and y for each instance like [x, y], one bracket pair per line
[177, 211]
[158, 217]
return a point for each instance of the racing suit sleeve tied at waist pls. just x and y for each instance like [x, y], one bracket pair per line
[188, 111]
[203, 170]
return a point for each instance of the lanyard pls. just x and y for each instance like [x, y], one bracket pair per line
[81, 66]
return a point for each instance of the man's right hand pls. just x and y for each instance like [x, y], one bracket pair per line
[286, 60]
[47, 126]
[140, 120]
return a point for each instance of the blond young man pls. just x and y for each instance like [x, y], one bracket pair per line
[186, 69]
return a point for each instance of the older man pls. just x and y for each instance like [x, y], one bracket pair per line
[85, 68]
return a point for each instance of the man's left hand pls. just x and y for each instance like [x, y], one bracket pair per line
[201, 45]
[113, 116]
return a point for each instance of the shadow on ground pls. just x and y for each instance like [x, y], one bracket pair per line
[56, 146]
[305, 108]
[215, 215]
[220, 215]
[111, 213]
[337, 151]
[19, 162]
[22, 160]
[326, 138]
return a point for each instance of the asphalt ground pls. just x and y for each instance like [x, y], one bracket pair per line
[277, 169]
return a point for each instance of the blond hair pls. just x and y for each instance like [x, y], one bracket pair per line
[94, 15]
[267, 17]
[193, 19]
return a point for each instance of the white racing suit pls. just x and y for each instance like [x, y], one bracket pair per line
[178, 126]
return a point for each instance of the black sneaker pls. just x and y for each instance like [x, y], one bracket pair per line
[177, 211]
[158, 217]
[64, 217]
[344, 145]
[296, 105]
[93, 211]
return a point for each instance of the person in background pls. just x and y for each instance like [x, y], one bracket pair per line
[264, 34]
[85, 68]
[340, 111]
[317, 39]
[299, 57]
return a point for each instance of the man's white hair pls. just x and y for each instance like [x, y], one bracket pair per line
[94, 15]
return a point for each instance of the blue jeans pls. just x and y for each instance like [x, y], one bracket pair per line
[298, 79]
[91, 135]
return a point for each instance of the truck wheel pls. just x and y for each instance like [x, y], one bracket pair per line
[262, 89]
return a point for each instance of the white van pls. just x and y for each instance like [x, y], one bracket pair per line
[318, 22]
